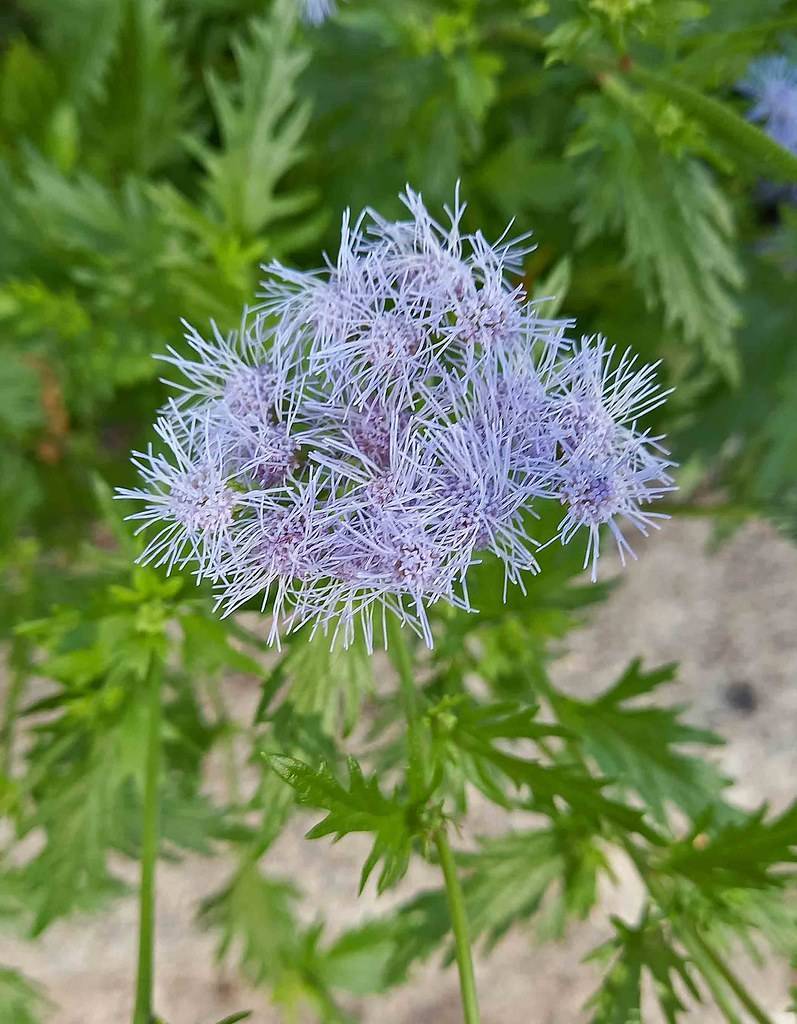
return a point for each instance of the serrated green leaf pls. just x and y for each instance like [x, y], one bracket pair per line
[20, 397]
[470, 731]
[359, 807]
[462, 731]
[508, 878]
[504, 884]
[137, 125]
[328, 682]
[633, 952]
[256, 917]
[752, 852]
[677, 225]
[638, 748]
[80, 37]
[83, 782]
[207, 647]
[28, 93]
[409, 935]
[358, 961]
[262, 125]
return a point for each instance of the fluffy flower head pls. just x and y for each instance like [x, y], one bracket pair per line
[377, 426]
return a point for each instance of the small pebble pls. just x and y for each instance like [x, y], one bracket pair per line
[741, 696]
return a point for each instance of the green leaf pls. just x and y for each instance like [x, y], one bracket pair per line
[261, 124]
[21, 1002]
[467, 730]
[208, 648]
[511, 641]
[410, 934]
[638, 748]
[749, 442]
[462, 731]
[256, 917]
[747, 854]
[634, 952]
[137, 125]
[80, 37]
[510, 876]
[756, 147]
[550, 292]
[358, 807]
[82, 786]
[329, 683]
[507, 881]
[236, 1017]
[20, 397]
[28, 93]
[677, 225]
[358, 961]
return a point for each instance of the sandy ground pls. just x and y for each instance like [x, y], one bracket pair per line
[730, 618]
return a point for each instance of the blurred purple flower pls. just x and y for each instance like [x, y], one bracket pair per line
[315, 12]
[772, 84]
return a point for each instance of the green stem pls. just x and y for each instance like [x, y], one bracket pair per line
[730, 979]
[401, 656]
[713, 982]
[772, 160]
[459, 925]
[142, 1013]
[13, 697]
[698, 948]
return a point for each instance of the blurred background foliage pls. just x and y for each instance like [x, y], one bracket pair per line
[152, 154]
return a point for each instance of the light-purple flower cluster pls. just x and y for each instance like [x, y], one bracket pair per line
[376, 427]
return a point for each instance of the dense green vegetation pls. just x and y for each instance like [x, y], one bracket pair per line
[152, 154]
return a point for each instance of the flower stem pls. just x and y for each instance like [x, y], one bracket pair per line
[459, 925]
[401, 656]
[730, 979]
[402, 659]
[142, 1013]
[715, 971]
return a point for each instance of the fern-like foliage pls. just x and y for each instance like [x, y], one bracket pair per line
[632, 953]
[677, 225]
[80, 37]
[359, 806]
[138, 121]
[639, 748]
[261, 124]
